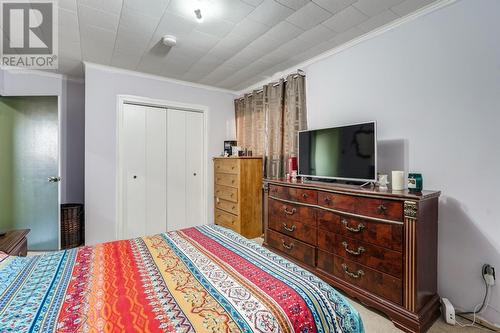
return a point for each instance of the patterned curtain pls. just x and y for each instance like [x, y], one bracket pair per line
[294, 118]
[267, 122]
[273, 106]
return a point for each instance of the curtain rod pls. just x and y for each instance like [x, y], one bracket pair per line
[299, 72]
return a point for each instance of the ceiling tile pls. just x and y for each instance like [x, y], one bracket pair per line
[264, 44]
[125, 60]
[198, 40]
[345, 19]
[254, 3]
[98, 18]
[374, 7]
[348, 35]
[138, 23]
[97, 44]
[67, 5]
[308, 16]
[110, 6]
[228, 46]
[378, 21]
[270, 13]
[283, 31]
[295, 46]
[173, 24]
[334, 6]
[318, 34]
[409, 6]
[219, 74]
[294, 4]
[151, 8]
[249, 28]
[234, 10]
[219, 28]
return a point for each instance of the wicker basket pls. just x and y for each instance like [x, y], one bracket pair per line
[72, 229]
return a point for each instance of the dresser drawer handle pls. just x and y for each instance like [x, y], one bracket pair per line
[289, 229]
[232, 181]
[360, 227]
[289, 212]
[353, 252]
[328, 200]
[356, 275]
[287, 246]
[381, 209]
[305, 195]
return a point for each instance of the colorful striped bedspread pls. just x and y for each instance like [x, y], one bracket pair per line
[204, 279]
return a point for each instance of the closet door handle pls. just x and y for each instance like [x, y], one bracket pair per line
[54, 179]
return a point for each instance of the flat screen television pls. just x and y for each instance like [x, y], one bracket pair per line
[345, 152]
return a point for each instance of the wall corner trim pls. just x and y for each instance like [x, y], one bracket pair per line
[156, 77]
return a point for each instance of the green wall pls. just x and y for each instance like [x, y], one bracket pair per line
[6, 125]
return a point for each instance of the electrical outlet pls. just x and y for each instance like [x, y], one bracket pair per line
[489, 274]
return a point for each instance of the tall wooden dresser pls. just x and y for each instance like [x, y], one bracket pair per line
[238, 194]
[378, 247]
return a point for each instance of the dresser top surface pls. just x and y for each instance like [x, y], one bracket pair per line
[11, 239]
[354, 189]
[238, 157]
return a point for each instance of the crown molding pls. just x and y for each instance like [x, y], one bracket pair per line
[117, 70]
[62, 77]
[369, 35]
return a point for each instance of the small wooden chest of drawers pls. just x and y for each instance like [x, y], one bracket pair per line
[15, 243]
[363, 242]
[238, 194]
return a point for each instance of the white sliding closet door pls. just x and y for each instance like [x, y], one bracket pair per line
[162, 169]
[144, 160]
[185, 176]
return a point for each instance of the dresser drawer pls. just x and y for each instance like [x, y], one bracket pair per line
[228, 206]
[227, 179]
[369, 279]
[227, 220]
[226, 193]
[379, 258]
[294, 194]
[388, 235]
[228, 165]
[294, 248]
[384, 209]
[291, 212]
[295, 229]
[337, 201]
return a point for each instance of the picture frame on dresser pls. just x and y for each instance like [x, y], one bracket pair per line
[379, 247]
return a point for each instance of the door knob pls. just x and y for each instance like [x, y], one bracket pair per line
[194, 174]
[54, 179]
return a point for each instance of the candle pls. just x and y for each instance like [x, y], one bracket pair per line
[398, 180]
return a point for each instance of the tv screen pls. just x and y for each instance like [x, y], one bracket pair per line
[345, 152]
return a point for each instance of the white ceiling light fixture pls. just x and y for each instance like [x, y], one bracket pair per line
[169, 40]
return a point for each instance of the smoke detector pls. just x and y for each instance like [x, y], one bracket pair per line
[169, 40]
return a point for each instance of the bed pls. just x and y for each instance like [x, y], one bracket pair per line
[203, 279]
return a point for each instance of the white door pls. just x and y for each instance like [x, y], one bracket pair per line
[143, 162]
[162, 170]
[185, 172]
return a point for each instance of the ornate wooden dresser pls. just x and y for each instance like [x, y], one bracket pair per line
[15, 243]
[238, 194]
[377, 247]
